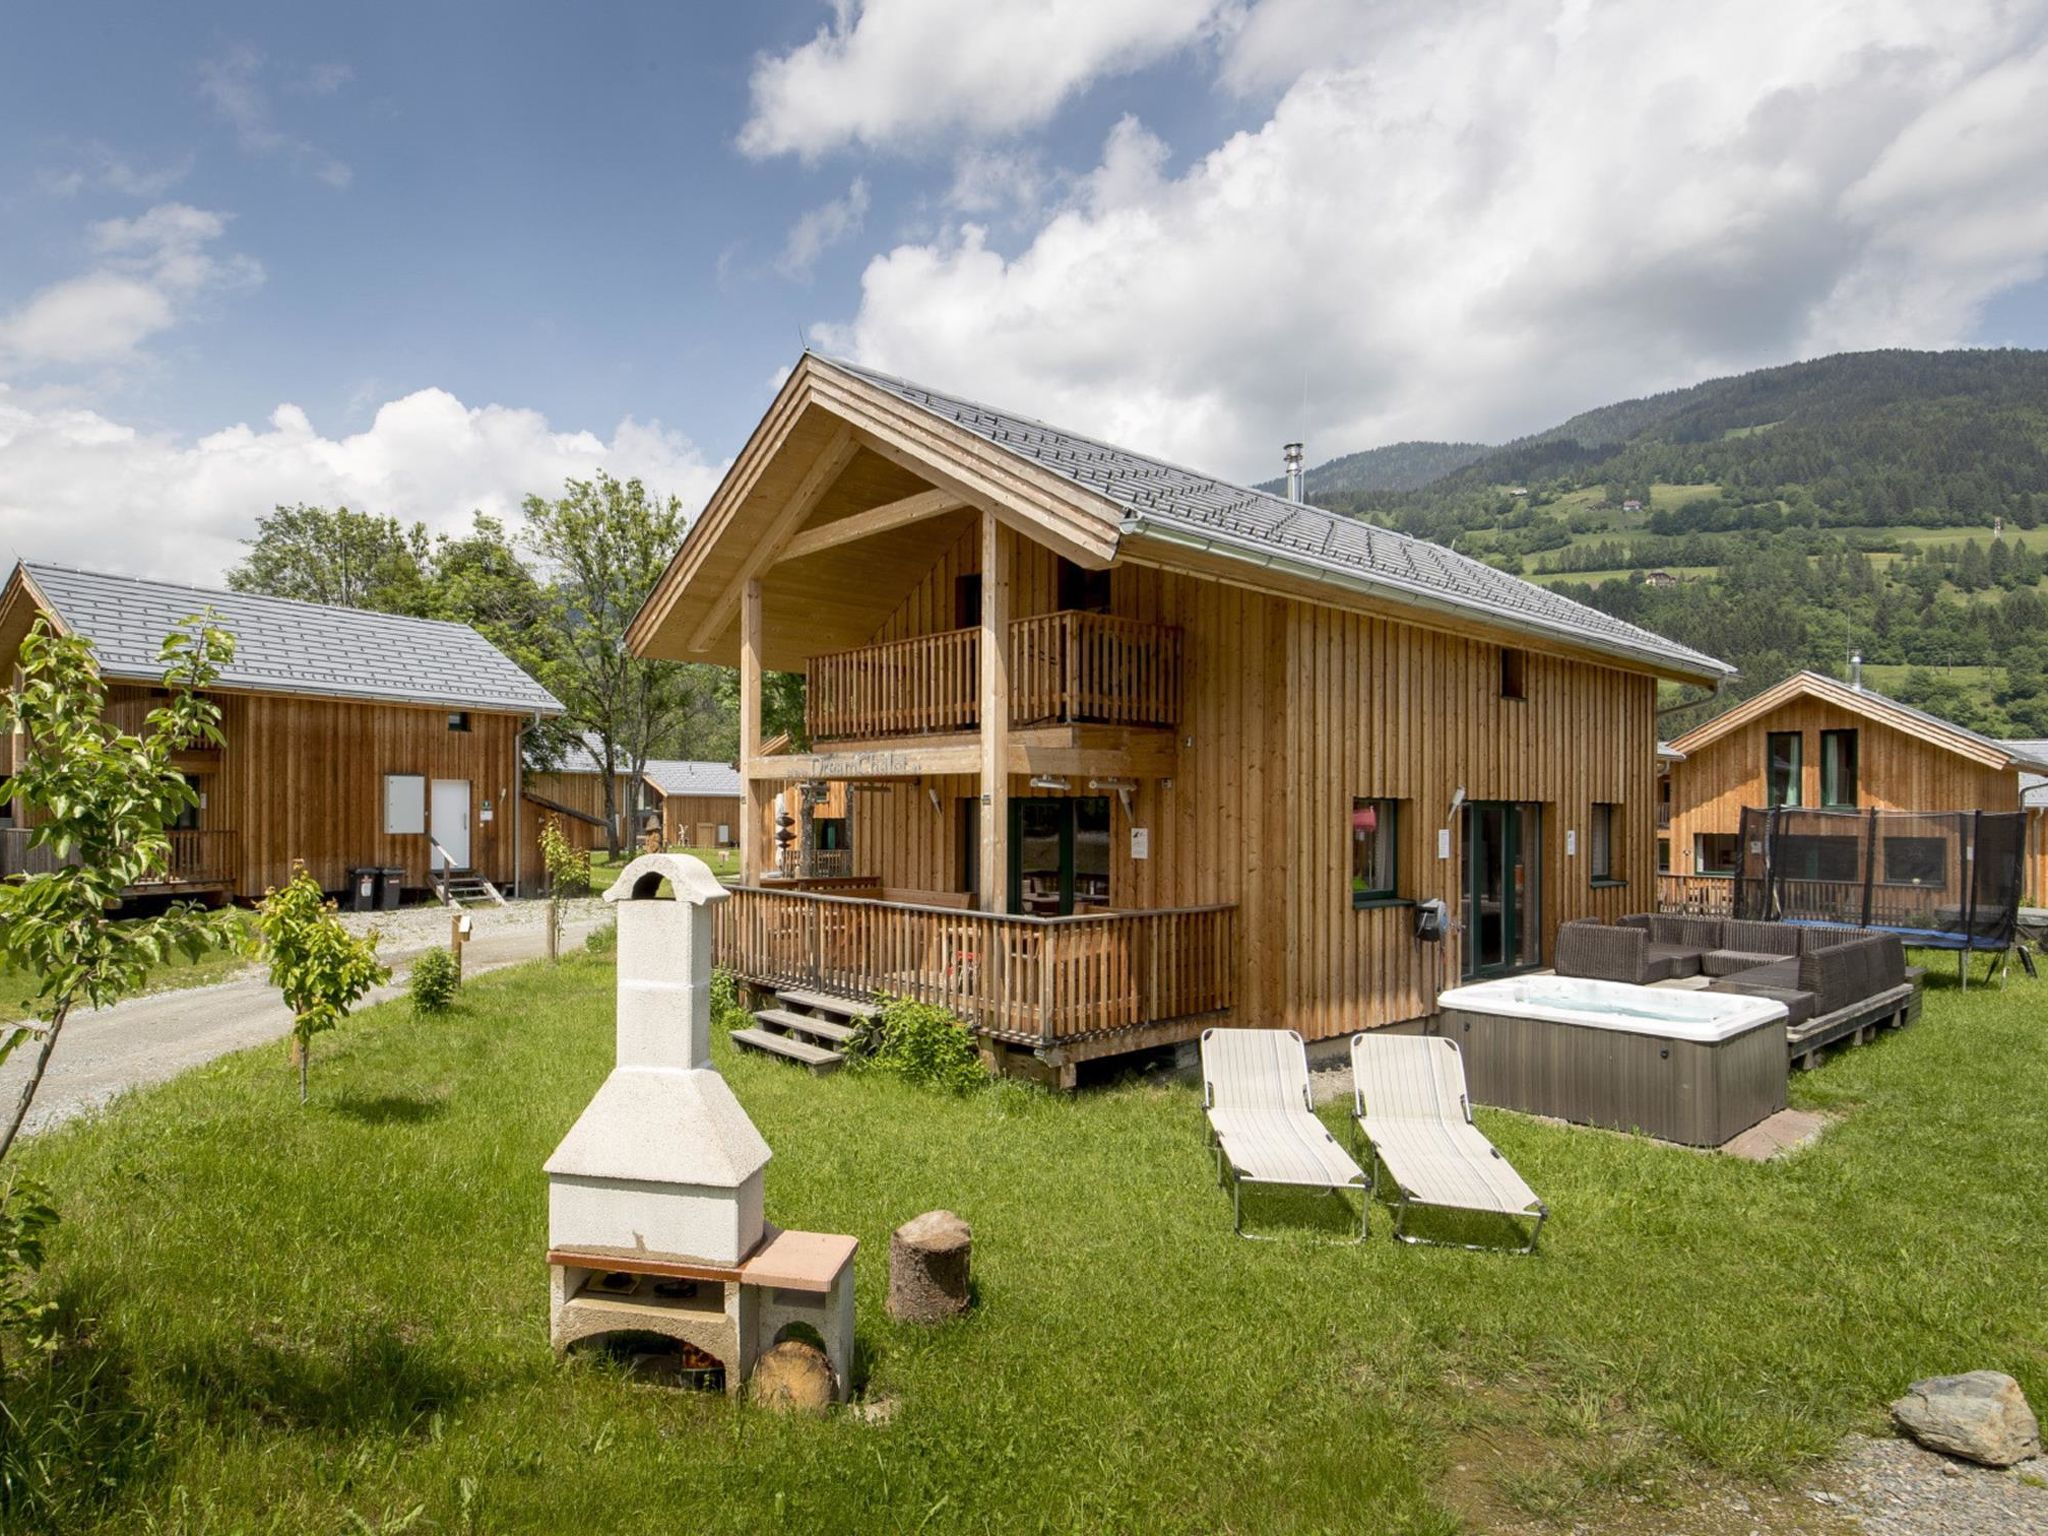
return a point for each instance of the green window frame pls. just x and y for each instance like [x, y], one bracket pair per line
[1784, 767]
[1603, 835]
[1838, 767]
[1375, 851]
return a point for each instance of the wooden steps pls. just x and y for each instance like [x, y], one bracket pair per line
[460, 887]
[813, 1028]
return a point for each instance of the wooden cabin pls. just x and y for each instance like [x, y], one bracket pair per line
[695, 804]
[2034, 801]
[353, 739]
[572, 792]
[1816, 741]
[1159, 751]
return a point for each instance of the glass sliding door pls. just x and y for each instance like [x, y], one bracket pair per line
[1059, 855]
[1503, 918]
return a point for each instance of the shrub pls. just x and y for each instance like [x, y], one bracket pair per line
[921, 1044]
[604, 939]
[434, 982]
[727, 1006]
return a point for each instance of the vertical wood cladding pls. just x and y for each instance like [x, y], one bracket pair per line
[1290, 710]
[1895, 772]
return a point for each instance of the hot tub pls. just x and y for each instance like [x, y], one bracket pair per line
[1691, 1067]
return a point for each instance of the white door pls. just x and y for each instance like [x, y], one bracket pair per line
[450, 822]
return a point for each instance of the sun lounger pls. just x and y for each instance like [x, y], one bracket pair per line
[1255, 1091]
[1412, 1110]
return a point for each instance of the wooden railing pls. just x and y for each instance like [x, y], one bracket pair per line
[1031, 980]
[1696, 895]
[197, 858]
[1064, 668]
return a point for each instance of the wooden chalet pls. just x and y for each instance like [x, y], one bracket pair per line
[1816, 741]
[1136, 750]
[572, 791]
[696, 804]
[2034, 801]
[353, 739]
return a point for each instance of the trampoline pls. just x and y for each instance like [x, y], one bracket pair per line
[1937, 879]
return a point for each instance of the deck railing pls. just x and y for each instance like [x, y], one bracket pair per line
[1029, 980]
[1065, 668]
[197, 858]
[1696, 895]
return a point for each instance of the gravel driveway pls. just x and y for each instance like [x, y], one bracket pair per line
[104, 1053]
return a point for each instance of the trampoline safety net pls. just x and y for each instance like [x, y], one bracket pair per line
[1953, 876]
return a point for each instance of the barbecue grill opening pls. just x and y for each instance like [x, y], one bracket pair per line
[660, 1360]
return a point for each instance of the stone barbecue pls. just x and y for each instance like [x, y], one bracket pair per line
[655, 1221]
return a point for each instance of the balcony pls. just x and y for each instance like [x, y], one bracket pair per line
[1066, 668]
[199, 859]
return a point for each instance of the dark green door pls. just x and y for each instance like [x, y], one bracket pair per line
[1503, 927]
[1059, 855]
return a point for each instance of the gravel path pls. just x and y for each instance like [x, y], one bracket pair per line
[103, 1054]
[1899, 1488]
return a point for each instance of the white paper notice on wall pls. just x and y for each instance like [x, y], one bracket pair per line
[1141, 842]
[1571, 845]
[1443, 842]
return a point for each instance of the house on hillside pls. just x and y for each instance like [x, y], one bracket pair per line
[1137, 750]
[695, 804]
[353, 739]
[1659, 579]
[1817, 742]
[2034, 801]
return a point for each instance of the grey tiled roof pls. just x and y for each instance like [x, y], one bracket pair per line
[1255, 525]
[682, 776]
[283, 646]
[2033, 786]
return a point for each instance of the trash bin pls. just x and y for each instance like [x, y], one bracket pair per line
[390, 888]
[364, 883]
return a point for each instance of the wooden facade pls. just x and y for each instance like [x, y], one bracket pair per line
[1230, 717]
[1905, 761]
[697, 821]
[576, 799]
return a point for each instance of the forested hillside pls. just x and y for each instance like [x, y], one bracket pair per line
[1396, 467]
[1892, 503]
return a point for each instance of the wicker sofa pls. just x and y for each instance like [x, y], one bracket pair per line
[1835, 983]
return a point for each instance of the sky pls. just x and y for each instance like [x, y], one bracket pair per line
[426, 259]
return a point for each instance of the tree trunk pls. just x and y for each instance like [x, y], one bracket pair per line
[35, 1079]
[300, 1054]
[554, 930]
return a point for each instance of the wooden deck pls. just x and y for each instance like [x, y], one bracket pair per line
[200, 861]
[1065, 668]
[1041, 982]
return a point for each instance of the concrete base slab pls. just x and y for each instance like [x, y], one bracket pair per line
[1786, 1131]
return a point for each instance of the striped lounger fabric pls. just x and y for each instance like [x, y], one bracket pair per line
[1261, 1120]
[1412, 1110]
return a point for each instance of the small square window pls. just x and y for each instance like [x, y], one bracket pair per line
[1715, 853]
[1513, 683]
[1374, 850]
[1603, 832]
[458, 720]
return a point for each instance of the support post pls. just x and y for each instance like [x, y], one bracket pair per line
[994, 867]
[750, 731]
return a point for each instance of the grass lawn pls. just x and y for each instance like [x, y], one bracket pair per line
[334, 1318]
[18, 990]
[724, 862]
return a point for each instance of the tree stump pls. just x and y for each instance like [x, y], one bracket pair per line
[928, 1268]
[793, 1377]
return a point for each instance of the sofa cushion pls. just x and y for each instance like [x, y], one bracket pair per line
[1754, 938]
[1700, 933]
[1727, 962]
[1779, 973]
[1798, 1004]
[1670, 960]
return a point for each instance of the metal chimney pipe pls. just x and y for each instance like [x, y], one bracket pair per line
[1292, 454]
[1856, 671]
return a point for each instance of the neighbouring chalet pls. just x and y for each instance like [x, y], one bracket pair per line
[2034, 801]
[353, 739]
[1135, 750]
[696, 804]
[1816, 741]
[572, 791]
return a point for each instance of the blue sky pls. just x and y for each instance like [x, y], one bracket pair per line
[425, 258]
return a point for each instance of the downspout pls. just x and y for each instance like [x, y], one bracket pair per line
[519, 800]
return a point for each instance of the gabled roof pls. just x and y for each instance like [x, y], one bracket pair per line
[1157, 497]
[2033, 784]
[282, 646]
[684, 776]
[1918, 723]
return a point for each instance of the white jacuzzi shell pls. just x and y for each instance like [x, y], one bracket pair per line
[1704, 1017]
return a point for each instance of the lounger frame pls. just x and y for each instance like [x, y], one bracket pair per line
[1228, 1173]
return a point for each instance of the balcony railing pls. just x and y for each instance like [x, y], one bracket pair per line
[1065, 668]
[197, 858]
[1029, 980]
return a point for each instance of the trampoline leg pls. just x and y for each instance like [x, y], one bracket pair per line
[1962, 967]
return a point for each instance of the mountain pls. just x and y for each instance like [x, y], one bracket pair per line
[1893, 503]
[1396, 467]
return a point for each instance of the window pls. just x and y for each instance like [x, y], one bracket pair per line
[1783, 761]
[188, 816]
[1838, 769]
[830, 832]
[1083, 590]
[966, 601]
[1715, 853]
[1916, 861]
[1512, 681]
[967, 843]
[1601, 836]
[1663, 855]
[1374, 855]
[458, 720]
[1801, 856]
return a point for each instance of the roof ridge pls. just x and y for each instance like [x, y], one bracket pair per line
[240, 597]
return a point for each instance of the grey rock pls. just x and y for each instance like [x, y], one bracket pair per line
[1981, 1416]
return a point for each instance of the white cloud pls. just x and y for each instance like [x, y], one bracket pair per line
[995, 181]
[95, 165]
[234, 86]
[897, 73]
[821, 228]
[78, 487]
[153, 267]
[1471, 221]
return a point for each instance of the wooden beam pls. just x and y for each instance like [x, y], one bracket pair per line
[1098, 751]
[994, 865]
[750, 729]
[835, 456]
[862, 525]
